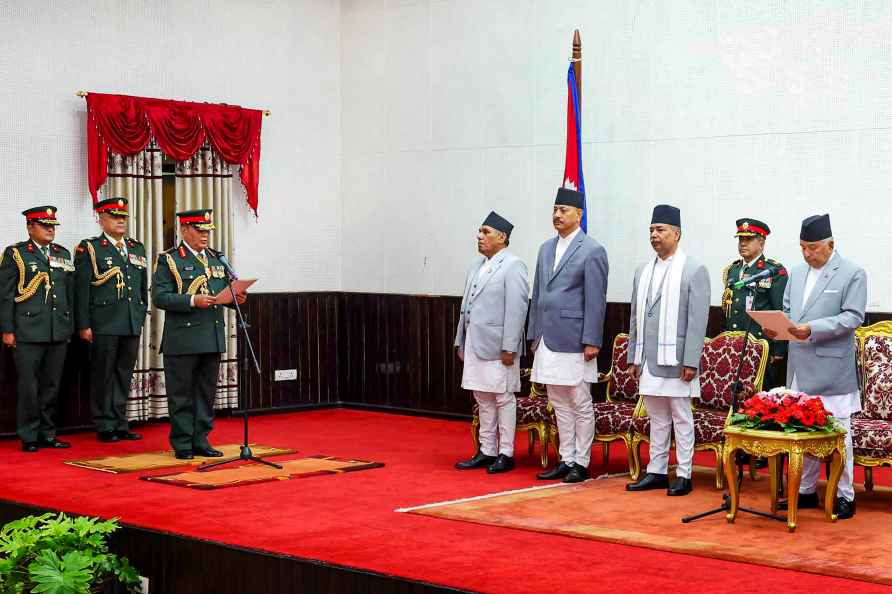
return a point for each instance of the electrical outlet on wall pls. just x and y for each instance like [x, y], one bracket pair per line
[282, 375]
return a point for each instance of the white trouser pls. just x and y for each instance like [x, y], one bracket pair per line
[666, 412]
[811, 468]
[497, 412]
[576, 421]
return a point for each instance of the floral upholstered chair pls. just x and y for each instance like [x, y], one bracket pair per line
[872, 427]
[613, 418]
[718, 368]
[534, 415]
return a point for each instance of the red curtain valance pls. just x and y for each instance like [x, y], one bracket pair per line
[126, 124]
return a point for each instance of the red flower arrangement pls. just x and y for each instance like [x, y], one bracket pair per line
[784, 410]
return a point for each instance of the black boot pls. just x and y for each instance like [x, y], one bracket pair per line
[806, 501]
[648, 482]
[502, 464]
[843, 508]
[559, 471]
[577, 474]
[480, 460]
[680, 486]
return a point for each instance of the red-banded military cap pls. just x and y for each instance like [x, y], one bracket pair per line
[45, 215]
[751, 228]
[115, 206]
[200, 219]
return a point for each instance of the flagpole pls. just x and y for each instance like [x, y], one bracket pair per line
[577, 67]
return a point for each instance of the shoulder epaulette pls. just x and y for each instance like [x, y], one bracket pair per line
[59, 248]
[727, 269]
[133, 241]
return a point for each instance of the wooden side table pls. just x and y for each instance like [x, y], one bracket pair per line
[769, 444]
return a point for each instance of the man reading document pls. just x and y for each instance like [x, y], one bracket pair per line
[190, 283]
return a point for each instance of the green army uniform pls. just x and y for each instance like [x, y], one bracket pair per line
[768, 294]
[36, 295]
[193, 337]
[111, 299]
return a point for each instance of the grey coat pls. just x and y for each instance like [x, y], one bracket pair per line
[495, 306]
[825, 363]
[568, 304]
[693, 315]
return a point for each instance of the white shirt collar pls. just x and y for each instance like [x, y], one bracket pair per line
[114, 241]
[751, 262]
[490, 259]
[569, 238]
[818, 271]
[189, 247]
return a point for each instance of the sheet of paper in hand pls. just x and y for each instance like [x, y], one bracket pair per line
[775, 320]
[225, 296]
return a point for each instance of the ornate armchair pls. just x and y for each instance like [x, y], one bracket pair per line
[613, 418]
[718, 367]
[534, 415]
[872, 427]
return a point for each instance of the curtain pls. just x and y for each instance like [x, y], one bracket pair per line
[138, 178]
[125, 125]
[205, 181]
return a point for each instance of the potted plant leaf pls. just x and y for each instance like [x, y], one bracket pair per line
[59, 554]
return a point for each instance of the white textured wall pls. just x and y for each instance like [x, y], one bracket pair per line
[282, 55]
[773, 109]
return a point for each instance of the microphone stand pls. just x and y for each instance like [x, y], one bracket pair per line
[245, 452]
[736, 389]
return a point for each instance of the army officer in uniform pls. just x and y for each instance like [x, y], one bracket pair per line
[111, 297]
[185, 284]
[36, 316]
[768, 294]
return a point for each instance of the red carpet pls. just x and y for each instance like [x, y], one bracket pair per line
[348, 519]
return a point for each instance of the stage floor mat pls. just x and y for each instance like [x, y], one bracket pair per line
[857, 548]
[165, 459]
[252, 473]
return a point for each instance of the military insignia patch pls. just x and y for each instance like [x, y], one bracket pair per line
[182, 252]
[139, 261]
[30, 247]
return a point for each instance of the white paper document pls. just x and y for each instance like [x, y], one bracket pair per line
[775, 320]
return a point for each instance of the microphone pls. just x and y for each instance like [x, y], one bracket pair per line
[226, 265]
[767, 273]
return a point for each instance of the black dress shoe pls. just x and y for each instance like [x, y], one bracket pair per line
[559, 471]
[53, 443]
[127, 435]
[806, 501]
[577, 474]
[207, 452]
[650, 481]
[184, 455]
[29, 446]
[843, 508]
[680, 486]
[107, 436]
[502, 464]
[480, 460]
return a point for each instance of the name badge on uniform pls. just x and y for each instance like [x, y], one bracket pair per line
[188, 268]
[63, 263]
[138, 261]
